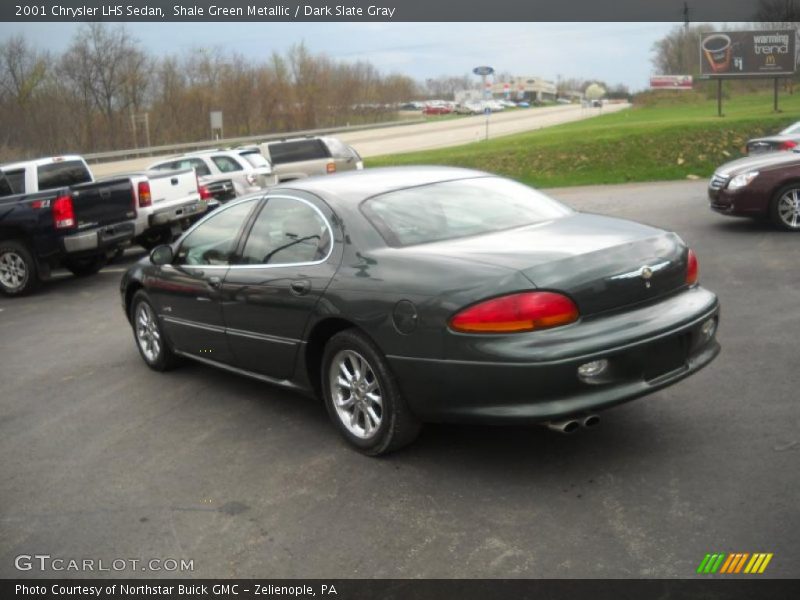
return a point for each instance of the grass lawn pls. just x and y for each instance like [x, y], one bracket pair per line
[673, 138]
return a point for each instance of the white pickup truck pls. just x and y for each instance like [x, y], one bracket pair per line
[164, 202]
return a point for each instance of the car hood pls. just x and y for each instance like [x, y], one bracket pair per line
[599, 261]
[759, 161]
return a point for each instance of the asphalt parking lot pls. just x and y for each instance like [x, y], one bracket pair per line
[104, 459]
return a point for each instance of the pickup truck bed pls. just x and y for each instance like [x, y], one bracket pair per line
[76, 227]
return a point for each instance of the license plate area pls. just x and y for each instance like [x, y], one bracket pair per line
[666, 356]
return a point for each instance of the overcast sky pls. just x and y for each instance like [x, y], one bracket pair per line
[614, 52]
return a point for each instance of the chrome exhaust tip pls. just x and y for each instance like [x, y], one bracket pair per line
[565, 426]
[589, 421]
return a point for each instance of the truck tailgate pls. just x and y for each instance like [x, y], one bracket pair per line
[172, 186]
[103, 203]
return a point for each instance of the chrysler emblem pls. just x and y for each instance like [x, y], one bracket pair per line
[647, 273]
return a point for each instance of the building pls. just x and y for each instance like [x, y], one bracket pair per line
[525, 88]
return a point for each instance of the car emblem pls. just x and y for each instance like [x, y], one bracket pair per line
[647, 274]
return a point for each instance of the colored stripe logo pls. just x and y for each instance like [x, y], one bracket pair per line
[734, 563]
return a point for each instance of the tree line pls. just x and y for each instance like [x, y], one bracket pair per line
[94, 96]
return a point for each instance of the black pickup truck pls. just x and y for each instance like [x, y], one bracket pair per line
[75, 226]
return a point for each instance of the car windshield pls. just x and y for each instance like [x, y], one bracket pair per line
[454, 209]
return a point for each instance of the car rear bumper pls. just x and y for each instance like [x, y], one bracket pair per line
[644, 354]
[173, 214]
[100, 238]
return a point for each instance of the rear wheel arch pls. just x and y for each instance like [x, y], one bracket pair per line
[315, 347]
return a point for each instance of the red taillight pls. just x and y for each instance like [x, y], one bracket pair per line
[145, 199]
[692, 268]
[63, 212]
[331, 167]
[524, 311]
[204, 193]
[788, 145]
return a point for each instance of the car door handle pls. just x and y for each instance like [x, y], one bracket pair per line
[215, 282]
[300, 287]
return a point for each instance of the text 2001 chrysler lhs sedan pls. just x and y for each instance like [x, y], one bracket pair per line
[421, 294]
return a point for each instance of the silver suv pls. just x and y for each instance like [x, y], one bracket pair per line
[247, 171]
[296, 158]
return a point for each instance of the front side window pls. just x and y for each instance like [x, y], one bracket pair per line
[226, 164]
[214, 240]
[454, 209]
[287, 231]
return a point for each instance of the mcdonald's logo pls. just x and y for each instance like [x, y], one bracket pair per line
[770, 60]
[734, 563]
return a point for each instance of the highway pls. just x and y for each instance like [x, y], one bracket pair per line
[430, 135]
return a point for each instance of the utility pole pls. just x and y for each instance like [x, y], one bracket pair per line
[686, 15]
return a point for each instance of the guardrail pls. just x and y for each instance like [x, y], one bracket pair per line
[100, 157]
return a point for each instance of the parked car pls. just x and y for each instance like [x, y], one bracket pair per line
[213, 165]
[298, 158]
[437, 109]
[765, 185]
[415, 294]
[786, 139]
[53, 214]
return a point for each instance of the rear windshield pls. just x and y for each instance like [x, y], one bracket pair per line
[286, 152]
[454, 209]
[63, 174]
[256, 159]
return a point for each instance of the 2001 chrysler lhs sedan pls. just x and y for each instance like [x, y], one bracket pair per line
[417, 294]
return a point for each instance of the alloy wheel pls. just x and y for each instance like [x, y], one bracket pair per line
[356, 393]
[147, 333]
[789, 209]
[13, 271]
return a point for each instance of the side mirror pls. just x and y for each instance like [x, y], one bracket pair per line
[161, 255]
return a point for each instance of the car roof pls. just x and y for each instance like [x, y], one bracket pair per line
[38, 162]
[352, 187]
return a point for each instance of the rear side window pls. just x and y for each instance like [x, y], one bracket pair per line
[226, 164]
[16, 179]
[63, 174]
[287, 152]
[287, 231]
[454, 209]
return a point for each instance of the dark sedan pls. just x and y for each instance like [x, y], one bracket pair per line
[759, 186]
[410, 295]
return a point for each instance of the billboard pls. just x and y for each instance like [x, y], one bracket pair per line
[671, 82]
[748, 53]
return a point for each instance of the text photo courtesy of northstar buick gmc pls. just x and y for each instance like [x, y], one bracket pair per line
[427, 294]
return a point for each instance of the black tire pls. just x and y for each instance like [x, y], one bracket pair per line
[19, 273]
[397, 426]
[778, 210]
[84, 267]
[164, 359]
[152, 239]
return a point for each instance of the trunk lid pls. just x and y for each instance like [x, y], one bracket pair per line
[602, 263]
